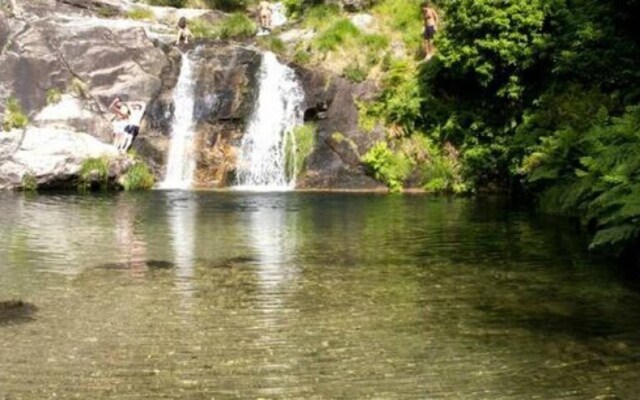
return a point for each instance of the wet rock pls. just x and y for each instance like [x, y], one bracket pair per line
[233, 262]
[16, 311]
[151, 264]
[160, 264]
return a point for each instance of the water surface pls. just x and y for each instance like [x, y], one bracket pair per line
[317, 296]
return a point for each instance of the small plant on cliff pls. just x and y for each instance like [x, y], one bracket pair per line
[139, 177]
[79, 88]
[94, 171]
[29, 183]
[355, 73]
[299, 146]
[237, 25]
[139, 13]
[14, 117]
[53, 96]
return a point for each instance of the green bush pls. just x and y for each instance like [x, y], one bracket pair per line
[139, 177]
[94, 171]
[29, 183]
[168, 3]
[139, 13]
[53, 96]
[300, 144]
[599, 179]
[236, 25]
[14, 117]
[203, 29]
[355, 73]
[387, 166]
[335, 35]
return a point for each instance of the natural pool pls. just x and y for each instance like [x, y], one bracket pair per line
[198, 295]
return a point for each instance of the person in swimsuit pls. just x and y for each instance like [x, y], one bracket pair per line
[431, 21]
[265, 11]
[120, 122]
[133, 127]
[183, 32]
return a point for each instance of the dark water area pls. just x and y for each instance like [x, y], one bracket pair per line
[199, 295]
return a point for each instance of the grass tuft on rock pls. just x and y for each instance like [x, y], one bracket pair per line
[141, 14]
[300, 144]
[138, 178]
[94, 171]
[14, 117]
[53, 96]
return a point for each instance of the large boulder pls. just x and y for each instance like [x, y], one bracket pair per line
[331, 105]
[53, 157]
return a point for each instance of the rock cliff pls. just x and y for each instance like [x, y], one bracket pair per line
[83, 53]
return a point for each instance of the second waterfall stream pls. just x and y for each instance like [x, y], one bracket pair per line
[181, 161]
[262, 158]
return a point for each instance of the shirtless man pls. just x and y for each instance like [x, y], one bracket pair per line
[265, 11]
[133, 127]
[121, 120]
[431, 21]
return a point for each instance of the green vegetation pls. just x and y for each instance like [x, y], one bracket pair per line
[273, 44]
[538, 97]
[53, 96]
[139, 13]
[139, 177]
[29, 183]
[300, 144]
[14, 117]
[94, 171]
[237, 25]
[79, 88]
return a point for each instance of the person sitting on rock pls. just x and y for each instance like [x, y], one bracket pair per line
[264, 11]
[183, 32]
[133, 127]
[120, 122]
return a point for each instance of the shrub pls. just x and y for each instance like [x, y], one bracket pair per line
[237, 25]
[94, 171]
[203, 29]
[139, 13]
[168, 3]
[29, 183]
[337, 34]
[139, 177]
[79, 88]
[387, 166]
[273, 44]
[355, 73]
[14, 117]
[53, 96]
[299, 146]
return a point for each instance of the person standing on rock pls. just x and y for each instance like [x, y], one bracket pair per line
[133, 127]
[120, 122]
[183, 32]
[431, 20]
[264, 12]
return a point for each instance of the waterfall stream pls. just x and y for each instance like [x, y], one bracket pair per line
[181, 162]
[262, 159]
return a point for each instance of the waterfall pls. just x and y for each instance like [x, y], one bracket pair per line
[181, 162]
[262, 158]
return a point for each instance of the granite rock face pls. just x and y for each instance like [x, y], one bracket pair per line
[86, 52]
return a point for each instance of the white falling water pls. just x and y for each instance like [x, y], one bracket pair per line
[181, 162]
[262, 157]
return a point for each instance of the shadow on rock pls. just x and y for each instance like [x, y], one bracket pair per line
[16, 311]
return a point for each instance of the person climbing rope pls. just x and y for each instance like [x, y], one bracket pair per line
[133, 127]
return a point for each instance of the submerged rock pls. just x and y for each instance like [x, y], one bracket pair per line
[151, 264]
[13, 311]
[233, 262]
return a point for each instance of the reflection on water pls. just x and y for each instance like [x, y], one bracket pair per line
[232, 295]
